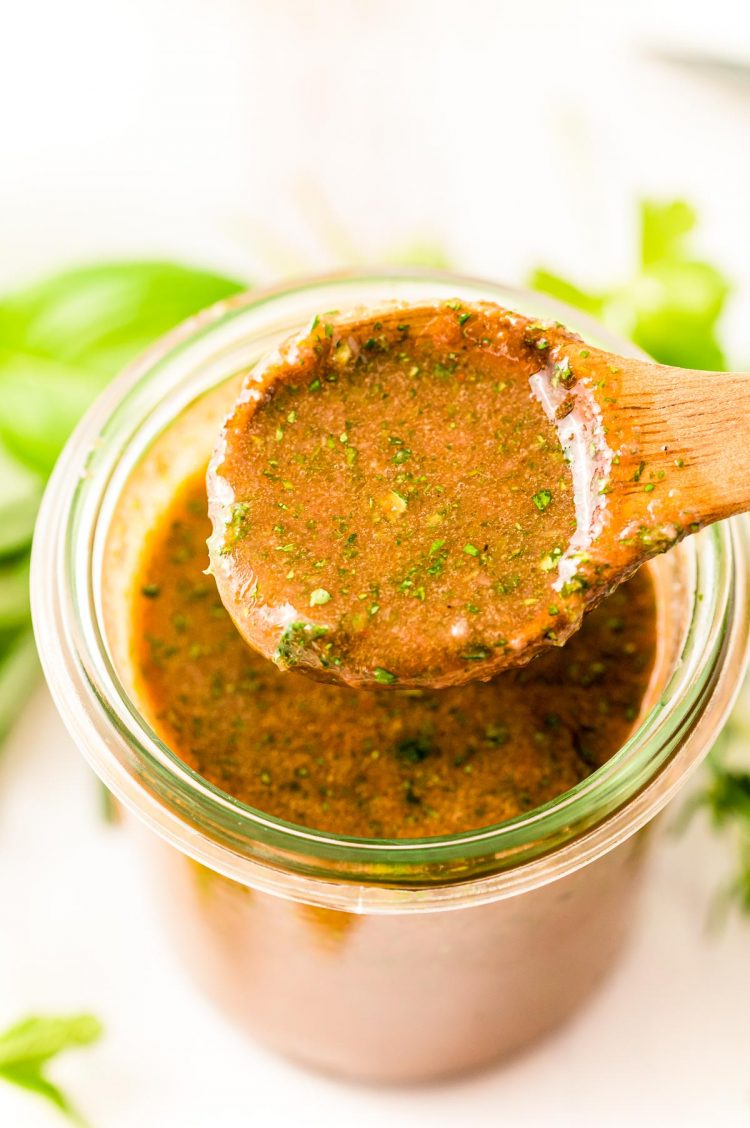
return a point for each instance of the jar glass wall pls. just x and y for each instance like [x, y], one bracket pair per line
[383, 959]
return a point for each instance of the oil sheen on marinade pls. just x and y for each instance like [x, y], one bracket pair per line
[390, 503]
[384, 763]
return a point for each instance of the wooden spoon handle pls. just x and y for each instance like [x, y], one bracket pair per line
[665, 451]
[684, 441]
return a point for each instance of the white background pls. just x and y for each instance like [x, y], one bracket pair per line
[269, 137]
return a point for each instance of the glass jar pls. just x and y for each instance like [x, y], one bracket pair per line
[384, 960]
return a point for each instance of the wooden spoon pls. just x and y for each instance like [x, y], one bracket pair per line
[657, 453]
[562, 467]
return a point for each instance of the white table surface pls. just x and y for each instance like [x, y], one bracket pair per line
[665, 1042]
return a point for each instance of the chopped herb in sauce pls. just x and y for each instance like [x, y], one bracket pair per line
[319, 597]
[387, 763]
[542, 499]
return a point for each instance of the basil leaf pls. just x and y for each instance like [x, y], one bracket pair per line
[42, 402]
[63, 339]
[14, 592]
[94, 315]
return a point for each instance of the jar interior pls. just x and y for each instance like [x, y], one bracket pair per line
[167, 449]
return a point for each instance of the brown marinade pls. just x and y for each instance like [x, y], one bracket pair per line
[378, 763]
[391, 502]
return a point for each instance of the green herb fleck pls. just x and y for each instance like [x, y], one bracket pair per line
[295, 643]
[413, 750]
[576, 584]
[563, 373]
[497, 734]
[549, 561]
[542, 499]
[236, 526]
[319, 597]
[384, 677]
[506, 585]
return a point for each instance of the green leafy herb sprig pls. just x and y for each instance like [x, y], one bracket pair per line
[27, 1048]
[671, 307]
[672, 302]
[61, 341]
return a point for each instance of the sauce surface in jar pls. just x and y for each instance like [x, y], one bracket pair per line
[381, 763]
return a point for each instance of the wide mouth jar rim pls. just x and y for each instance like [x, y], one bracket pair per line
[257, 849]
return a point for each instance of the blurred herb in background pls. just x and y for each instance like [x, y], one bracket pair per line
[671, 307]
[671, 304]
[61, 341]
[28, 1047]
[726, 797]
